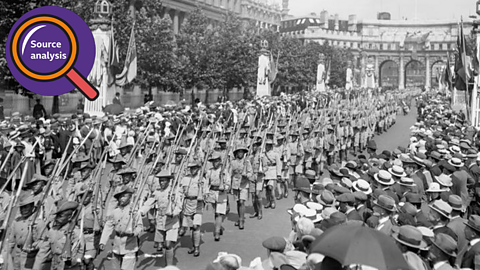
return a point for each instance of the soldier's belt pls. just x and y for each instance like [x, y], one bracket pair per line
[191, 197]
[90, 231]
[123, 234]
[215, 188]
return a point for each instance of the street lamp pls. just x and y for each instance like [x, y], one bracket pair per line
[104, 8]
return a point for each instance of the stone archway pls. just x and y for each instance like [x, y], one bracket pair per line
[415, 74]
[436, 71]
[388, 74]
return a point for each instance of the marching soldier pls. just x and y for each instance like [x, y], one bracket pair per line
[193, 186]
[23, 257]
[127, 225]
[128, 177]
[241, 173]
[55, 241]
[217, 186]
[90, 225]
[256, 186]
[167, 222]
[36, 186]
[271, 160]
[282, 183]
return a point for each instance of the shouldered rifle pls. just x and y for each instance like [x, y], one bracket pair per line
[175, 183]
[137, 146]
[13, 201]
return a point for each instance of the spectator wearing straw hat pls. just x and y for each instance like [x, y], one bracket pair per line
[442, 251]
[460, 180]
[440, 216]
[410, 240]
[457, 223]
[471, 254]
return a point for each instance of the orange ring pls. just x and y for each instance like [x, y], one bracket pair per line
[57, 74]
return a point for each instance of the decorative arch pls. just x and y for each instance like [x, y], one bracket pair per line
[388, 74]
[415, 74]
[436, 71]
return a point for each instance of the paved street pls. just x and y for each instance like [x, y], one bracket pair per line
[247, 243]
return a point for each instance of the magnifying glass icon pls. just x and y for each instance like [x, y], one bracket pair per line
[67, 70]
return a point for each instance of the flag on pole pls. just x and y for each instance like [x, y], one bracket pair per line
[113, 59]
[462, 62]
[447, 75]
[130, 69]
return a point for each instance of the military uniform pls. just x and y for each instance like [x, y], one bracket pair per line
[241, 173]
[18, 235]
[217, 187]
[168, 204]
[127, 226]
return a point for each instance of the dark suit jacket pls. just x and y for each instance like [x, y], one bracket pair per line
[471, 256]
[458, 226]
[422, 219]
[354, 215]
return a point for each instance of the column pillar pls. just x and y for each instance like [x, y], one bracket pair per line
[176, 24]
[167, 11]
[427, 72]
[401, 73]
[377, 71]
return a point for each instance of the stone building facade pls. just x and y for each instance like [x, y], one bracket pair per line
[404, 53]
[263, 14]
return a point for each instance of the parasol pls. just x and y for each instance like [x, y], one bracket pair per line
[358, 244]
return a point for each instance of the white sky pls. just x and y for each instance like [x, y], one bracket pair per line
[367, 9]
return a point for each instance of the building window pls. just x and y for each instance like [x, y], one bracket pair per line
[370, 45]
[381, 46]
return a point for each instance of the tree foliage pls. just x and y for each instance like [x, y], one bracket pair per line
[201, 55]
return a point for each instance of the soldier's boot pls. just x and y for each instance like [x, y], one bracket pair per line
[259, 207]
[280, 191]
[238, 212]
[89, 265]
[272, 197]
[169, 255]
[267, 196]
[285, 189]
[218, 227]
[195, 250]
[182, 230]
[241, 215]
[255, 207]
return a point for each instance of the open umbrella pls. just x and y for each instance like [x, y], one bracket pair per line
[358, 244]
[115, 109]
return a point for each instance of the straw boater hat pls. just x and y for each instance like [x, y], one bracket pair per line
[456, 162]
[406, 181]
[397, 171]
[435, 187]
[318, 209]
[362, 186]
[386, 202]
[446, 244]
[384, 177]
[444, 180]
[410, 236]
[442, 208]
[456, 203]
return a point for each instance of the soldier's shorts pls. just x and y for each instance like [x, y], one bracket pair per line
[241, 194]
[124, 262]
[220, 207]
[91, 242]
[170, 235]
[256, 186]
[270, 182]
[190, 221]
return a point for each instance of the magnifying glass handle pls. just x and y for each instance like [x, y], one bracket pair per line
[87, 89]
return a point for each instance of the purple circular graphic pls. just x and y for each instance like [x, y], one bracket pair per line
[44, 48]
[49, 36]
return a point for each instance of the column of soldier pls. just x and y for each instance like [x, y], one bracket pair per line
[69, 183]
